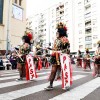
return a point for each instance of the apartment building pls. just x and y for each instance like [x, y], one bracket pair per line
[87, 23]
[82, 18]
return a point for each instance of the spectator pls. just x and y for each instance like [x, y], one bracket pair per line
[13, 60]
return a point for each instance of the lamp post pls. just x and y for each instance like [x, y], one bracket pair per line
[7, 36]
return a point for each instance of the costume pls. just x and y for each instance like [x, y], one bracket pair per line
[97, 60]
[79, 58]
[61, 44]
[24, 50]
[86, 60]
[37, 57]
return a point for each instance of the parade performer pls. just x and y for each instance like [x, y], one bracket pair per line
[61, 44]
[37, 57]
[86, 59]
[79, 59]
[97, 61]
[24, 50]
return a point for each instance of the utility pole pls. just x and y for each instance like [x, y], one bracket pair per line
[7, 36]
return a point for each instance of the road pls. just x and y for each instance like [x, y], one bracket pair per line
[85, 86]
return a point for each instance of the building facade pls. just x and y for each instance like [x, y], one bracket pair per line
[12, 23]
[87, 24]
[81, 17]
[44, 24]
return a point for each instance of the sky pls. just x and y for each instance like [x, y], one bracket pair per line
[35, 6]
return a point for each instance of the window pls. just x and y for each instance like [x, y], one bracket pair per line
[57, 8]
[87, 22]
[80, 46]
[61, 12]
[88, 38]
[88, 15]
[88, 46]
[20, 2]
[88, 30]
[61, 6]
[87, 7]
[17, 12]
[1, 11]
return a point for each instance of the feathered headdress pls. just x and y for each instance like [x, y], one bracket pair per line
[61, 25]
[29, 34]
[62, 29]
[28, 37]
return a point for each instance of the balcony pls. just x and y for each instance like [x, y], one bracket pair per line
[87, 15]
[88, 7]
[60, 7]
[88, 45]
[87, 24]
[88, 30]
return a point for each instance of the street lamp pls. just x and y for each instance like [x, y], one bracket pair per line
[7, 38]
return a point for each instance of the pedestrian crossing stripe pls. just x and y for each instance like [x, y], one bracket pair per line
[13, 83]
[9, 74]
[43, 73]
[79, 92]
[16, 71]
[74, 94]
[8, 71]
[30, 90]
[83, 72]
[7, 78]
[14, 77]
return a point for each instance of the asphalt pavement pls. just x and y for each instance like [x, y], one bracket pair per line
[84, 87]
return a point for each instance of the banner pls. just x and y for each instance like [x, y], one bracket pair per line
[30, 68]
[66, 71]
[39, 63]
